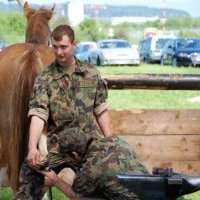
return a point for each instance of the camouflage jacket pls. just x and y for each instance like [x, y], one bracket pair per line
[68, 103]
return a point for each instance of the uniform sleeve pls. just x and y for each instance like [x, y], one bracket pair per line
[39, 101]
[101, 97]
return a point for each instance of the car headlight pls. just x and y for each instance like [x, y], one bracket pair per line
[107, 55]
[195, 54]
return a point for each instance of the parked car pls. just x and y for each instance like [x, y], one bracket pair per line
[181, 51]
[2, 44]
[83, 51]
[115, 52]
[150, 48]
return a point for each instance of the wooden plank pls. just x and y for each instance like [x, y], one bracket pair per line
[165, 148]
[185, 167]
[177, 151]
[154, 81]
[152, 121]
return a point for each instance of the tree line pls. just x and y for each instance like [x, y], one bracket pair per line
[12, 28]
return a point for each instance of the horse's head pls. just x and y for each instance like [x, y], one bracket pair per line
[37, 31]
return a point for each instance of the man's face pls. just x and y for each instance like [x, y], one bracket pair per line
[64, 50]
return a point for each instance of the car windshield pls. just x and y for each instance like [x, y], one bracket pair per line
[114, 44]
[181, 43]
[161, 43]
[192, 43]
[188, 43]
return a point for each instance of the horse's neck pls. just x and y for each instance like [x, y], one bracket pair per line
[38, 32]
[36, 40]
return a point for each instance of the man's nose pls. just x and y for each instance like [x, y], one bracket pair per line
[59, 51]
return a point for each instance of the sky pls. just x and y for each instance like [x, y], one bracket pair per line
[191, 6]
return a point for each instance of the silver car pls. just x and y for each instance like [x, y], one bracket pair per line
[2, 44]
[114, 52]
[83, 51]
[195, 57]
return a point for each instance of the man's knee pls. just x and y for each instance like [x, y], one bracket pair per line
[68, 175]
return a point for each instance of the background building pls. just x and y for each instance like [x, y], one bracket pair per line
[75, 12]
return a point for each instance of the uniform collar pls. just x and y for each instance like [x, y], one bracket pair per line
[59, 71]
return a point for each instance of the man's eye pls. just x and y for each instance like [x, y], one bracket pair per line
[63, 47]
[55, 47]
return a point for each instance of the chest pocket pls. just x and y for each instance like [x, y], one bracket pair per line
[61, 106]
[87, 91]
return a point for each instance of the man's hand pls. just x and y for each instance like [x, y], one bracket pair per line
[51, 178]
[34, 158]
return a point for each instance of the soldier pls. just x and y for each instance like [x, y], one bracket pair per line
[70, 99]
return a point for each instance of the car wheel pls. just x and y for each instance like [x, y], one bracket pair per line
[98, 61]
[174, 62]
[193, 64]
[162, 61]
[89, 60]
[146, 60]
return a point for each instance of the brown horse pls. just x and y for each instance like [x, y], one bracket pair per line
[19, 64]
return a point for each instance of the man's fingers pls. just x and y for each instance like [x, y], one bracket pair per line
[37, 159]
[30, 162]
[45, 173]
[34, 160]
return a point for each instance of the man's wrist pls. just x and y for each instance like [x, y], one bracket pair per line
[108, 134]
[56, 181]
[32, 148]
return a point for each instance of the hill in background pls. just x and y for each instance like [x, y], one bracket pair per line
[109, 11]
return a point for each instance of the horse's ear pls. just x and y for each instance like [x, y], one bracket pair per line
[27, 10]
[53, 7]
[50, 12]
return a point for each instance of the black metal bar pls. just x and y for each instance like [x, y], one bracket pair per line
[154, 81]
[50, 193]
[163, 184]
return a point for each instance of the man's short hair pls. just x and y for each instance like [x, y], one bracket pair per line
[62, 30]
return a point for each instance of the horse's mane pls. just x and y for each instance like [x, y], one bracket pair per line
[30, 63]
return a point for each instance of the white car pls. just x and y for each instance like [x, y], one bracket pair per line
[114, 52]
[84, 49]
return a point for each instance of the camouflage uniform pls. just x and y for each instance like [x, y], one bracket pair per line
[67, 100]
[104, 159]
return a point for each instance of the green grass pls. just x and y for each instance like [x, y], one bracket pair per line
[127, 99]
[5, 193]
[153, 99]
[194, 196]
[148, 68]
[57, 195]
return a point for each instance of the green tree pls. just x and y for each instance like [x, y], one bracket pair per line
[91, 29]
[12, 26]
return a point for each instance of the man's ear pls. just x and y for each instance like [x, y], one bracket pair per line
[75, 43]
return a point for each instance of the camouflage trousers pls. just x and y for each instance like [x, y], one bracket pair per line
[96, 176]
[31, 184]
